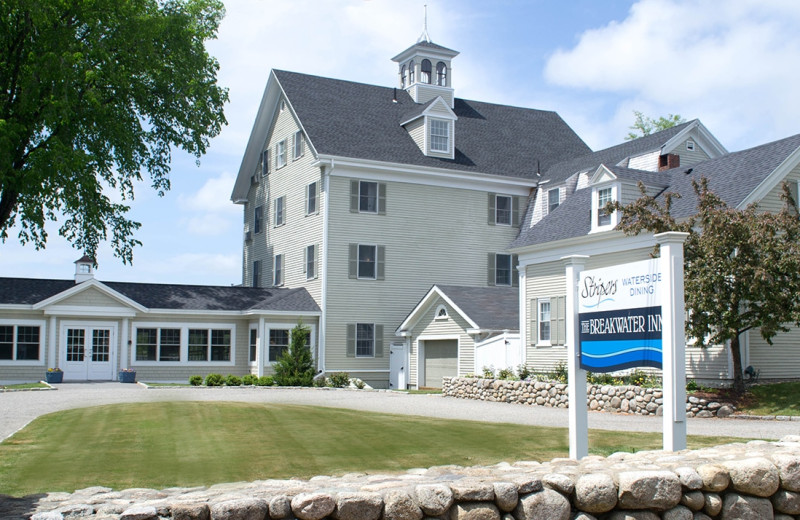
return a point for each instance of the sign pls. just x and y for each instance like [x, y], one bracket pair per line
[619, 315]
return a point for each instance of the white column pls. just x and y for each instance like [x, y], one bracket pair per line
[523, 327]
[123, 344]
[673, 341]
[260, 347]
[52, 343]
[578, 416]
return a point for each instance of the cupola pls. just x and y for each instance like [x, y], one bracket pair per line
[84, 269]
[425, 70]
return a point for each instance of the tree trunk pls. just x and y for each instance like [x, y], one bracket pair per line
[736, 354]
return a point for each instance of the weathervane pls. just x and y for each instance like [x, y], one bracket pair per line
[424, 35]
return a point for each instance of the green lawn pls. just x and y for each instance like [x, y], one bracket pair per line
[774, 399]
[24, 386]
[159, 445]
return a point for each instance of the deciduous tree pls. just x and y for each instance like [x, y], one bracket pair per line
[644, 125]
[742, 266]
[94, 93]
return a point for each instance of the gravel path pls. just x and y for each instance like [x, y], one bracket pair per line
[19, 408]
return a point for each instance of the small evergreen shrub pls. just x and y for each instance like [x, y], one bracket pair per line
[295, 367]
[233, 380]
[320, 382]
[340, 379]
[506, 373]
[214, 380]
[488, 372]
[523, 371]
[195, 380]
[691, 385]
[249, 380]
[265, 381]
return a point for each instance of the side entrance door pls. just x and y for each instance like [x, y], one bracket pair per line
[397, 366]
[88, 351]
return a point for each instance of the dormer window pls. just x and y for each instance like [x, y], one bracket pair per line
[553, 199]
[440, 135]
[604, 196]
[425, 71]
[441, 74]
[411, 67]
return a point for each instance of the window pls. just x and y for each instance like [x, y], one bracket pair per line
[157, 344]
[76, 344]
[277, 270]
[210, 344]
[441, 74]
[256, 273]
[502, 269]
[298, 145]
[257, 218]
[553, 199]
[425, 71]
[690, 145]
[280, 154]
[503, 210]
[367, 197]
[311, 262]
[440, 135]
[603, 198]
[441, 313]
[283, 105]
[253, 345]
[278, 343]
[365, 340]
[403, 76]
[20, 342]
[411, 67]
[265, 163]
[544, 321]
[311, 198]
[367, 262]
[280, 204]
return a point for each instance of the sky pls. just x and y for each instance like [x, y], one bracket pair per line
[732, 64]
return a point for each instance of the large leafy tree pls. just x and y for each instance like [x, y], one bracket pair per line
[644, 125]
[94, 93]
[742, 266]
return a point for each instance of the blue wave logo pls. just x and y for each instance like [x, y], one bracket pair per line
[598, 303]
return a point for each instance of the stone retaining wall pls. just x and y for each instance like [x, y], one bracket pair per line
[625, 399]
[756, 480]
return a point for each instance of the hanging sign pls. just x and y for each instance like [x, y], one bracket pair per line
[620, 317]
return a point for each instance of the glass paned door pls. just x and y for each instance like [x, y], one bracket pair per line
[88, 352]
[76, 345]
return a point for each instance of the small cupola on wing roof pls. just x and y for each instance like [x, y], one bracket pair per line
[425, 70]
[84, 269]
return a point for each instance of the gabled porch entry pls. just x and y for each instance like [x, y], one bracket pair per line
[88, 350]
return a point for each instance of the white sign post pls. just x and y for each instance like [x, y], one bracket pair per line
[578, 416]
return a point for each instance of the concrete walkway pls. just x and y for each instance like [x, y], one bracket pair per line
[17, 409]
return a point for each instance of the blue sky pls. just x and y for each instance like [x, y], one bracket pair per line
[732, 64]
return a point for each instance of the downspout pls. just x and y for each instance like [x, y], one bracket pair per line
[326, 175]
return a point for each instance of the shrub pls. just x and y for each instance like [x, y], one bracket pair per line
[488, 372]
[249, 380]
[265, 381]
[232, 380]
[295, 367]
[559, 372]
[214, 380]
[359, 384]
[340, 379]
[691, 385]
[523, 371]
[195, 380]
[506, 373]
[320, 382]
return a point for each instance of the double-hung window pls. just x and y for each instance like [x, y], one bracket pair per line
[258, 216]
[20, 342]
[297, 149]
[311, 198]
[311, 262]
[280, 210]
[265, 163]
[368, 197]
[503, 269]
[553, 199]
[440, 135]
[544, 321]
[280, 154]
[365, 340]
[503, 210]
[253, 345]
[277, 270]
[256, 273]
[367, 260]
[278, 343]
[210, 344]
[604, 196]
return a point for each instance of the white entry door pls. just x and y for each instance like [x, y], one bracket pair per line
[397, 366]
[88, 351]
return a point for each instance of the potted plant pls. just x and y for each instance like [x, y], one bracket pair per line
[127, 375]
[54, 375]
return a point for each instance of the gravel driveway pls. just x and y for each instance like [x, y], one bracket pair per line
[19, 408]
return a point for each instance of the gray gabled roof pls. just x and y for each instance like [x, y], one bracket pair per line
[491, 308]
[490, 139]
[613, 155]
[733, 177]
[29, 291]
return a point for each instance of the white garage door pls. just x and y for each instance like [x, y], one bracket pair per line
[441, 360]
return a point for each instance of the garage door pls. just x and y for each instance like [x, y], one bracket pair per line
[441, 360]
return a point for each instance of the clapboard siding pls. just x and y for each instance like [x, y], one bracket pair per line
[772, 201]
[779, 360]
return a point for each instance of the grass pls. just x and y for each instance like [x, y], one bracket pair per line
[23, 386]
[159, 445]
[773, 399]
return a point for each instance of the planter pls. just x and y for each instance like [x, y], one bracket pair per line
[54, 377]
[127, 377]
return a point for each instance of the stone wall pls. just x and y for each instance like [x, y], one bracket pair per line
[756, 480]
[625, 399]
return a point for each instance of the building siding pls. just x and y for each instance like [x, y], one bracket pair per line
[772, 201]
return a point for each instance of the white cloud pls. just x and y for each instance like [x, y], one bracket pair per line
[732, 65]
[210, 211]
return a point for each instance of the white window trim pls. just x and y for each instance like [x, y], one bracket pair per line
[316, 198]
[274, 269]
[510, 210]
[184, 343]
[690, 145]
[511, 270]
[436, 315]
[282, 200]
[547, 202]
[298, 136]
[313, 262]
[377, 197]
[358, 262]
[266, 157]
[281, 158]
[312, 337]
[42, 343]
[539, 341]
[614, 220]
[373, 340]
[253, 327]
[446, 124]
